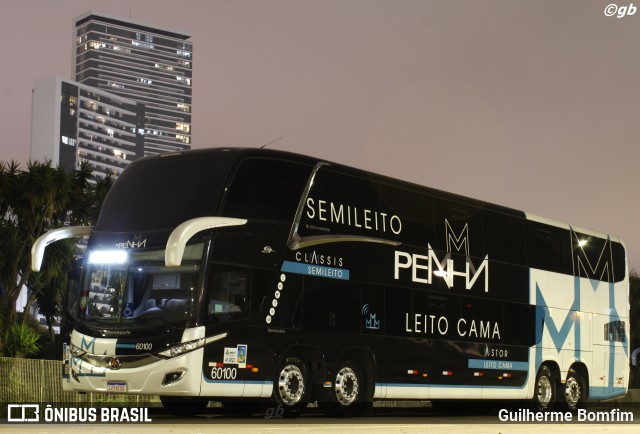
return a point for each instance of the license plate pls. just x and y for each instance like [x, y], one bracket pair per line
[116, 386]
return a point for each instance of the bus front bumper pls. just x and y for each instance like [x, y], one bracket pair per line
[177, 376]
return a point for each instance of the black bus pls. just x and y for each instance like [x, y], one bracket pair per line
[241, 275]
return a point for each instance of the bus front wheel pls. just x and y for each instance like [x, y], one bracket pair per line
[291, 389]
[346, 395]
[544, 396]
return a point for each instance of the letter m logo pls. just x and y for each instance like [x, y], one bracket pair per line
[459, 242]
[591, 257]
[89, 345]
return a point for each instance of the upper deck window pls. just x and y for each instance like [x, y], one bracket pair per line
[266, 189]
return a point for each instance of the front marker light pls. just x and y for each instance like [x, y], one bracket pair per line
[183, 348]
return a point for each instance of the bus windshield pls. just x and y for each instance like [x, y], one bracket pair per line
[120, 287]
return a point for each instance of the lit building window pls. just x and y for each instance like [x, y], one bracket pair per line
[183, 139]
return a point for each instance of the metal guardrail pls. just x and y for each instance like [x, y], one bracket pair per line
[34, 380]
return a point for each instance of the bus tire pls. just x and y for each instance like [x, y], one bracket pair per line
[183, 406]
[347, 395]
[291, 387]
[573, 396]
[544, 394]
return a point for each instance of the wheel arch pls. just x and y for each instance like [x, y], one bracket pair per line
[554, 368]
[310, 354]
[366, 360]
[581, 369]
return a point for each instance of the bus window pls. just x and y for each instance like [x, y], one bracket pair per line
[416, 211]
[516, 314]
[331, 305]
[615, 331]
[619, 261]
[266, 189]
[339, 203]
[503, 237]
[400, 319]
[432, 313]
[591, 257]
[227, 294]
[545, 247]
[458, 228]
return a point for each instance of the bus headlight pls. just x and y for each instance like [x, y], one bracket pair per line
[114, 257]
[181, 349]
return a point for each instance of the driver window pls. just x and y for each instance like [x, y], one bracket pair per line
[227, 294]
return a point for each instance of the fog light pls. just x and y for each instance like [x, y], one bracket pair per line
[172, 377]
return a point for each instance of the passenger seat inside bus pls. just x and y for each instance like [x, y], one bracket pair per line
[178, 305]
[149, 309]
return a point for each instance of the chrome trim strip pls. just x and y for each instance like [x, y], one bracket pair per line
[37, 250]
[302, 242]
[294, 238]
[104, 361]
[211, 339]
[184, 231]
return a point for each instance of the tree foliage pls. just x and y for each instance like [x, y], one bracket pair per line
[33, 201]
[21, 341]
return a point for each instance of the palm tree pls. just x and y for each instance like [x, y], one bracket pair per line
[32, 202]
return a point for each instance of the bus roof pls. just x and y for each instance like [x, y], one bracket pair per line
[166, 182]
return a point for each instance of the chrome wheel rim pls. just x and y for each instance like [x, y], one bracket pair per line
[572, 391]
[346, 386]
[545, 391]
[291, 385]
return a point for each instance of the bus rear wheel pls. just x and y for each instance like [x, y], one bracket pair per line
[574, 392]
[544, 396]
[291, 389]
[346, 396]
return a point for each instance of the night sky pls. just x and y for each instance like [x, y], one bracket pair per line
[529, 104]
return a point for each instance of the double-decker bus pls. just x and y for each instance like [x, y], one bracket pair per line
[241, 275]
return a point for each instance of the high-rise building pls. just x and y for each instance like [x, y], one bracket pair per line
[72, 123]
[144, 62]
